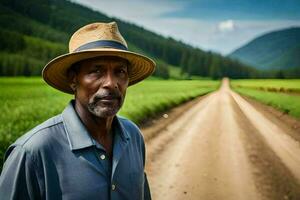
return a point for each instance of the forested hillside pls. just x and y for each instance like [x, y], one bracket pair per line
[35, 31]
[277, 50]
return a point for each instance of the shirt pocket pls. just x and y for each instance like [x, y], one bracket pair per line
[137, 185]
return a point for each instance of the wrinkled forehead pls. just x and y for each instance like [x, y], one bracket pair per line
[105, 60]
[99, 61]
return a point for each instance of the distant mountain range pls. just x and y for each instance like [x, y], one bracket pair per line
[277, 50]
[35, 31]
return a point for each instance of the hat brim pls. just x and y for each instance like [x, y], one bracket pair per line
[55, 72]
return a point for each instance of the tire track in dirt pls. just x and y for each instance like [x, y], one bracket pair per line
[273, 179]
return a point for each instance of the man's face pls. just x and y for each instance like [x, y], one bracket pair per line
[101, 85]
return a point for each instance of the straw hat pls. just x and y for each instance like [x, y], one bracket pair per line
[93, 40]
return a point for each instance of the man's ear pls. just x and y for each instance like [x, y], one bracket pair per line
[72, 76]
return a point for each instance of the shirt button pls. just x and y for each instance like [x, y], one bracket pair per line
[102, 157]
[113, 186]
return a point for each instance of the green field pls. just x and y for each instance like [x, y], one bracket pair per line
[280, 85]
[26, 102]
[281, 94]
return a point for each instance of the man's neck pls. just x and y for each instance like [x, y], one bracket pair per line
[99, 128]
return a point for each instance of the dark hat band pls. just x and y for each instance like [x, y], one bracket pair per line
[103, 44]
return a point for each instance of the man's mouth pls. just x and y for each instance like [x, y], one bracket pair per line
[107, 99]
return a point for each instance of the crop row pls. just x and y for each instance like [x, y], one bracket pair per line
[272, 85]
[284, 95]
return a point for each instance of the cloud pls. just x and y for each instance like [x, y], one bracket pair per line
[222, 36]
[208, 36]
[227, 25]
[245, 31]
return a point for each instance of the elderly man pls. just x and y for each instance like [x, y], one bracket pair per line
[87, 152]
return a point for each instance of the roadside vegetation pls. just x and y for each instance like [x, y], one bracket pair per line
[281, 94]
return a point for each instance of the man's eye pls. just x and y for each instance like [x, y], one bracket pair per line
[96, 71]
[122, 72]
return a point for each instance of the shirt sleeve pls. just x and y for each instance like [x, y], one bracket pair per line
[147, 193]
[19, 178]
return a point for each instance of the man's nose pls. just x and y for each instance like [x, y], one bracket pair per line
[110, 81]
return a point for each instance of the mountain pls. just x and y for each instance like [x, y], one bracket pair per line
[35, 31]
[277, 50]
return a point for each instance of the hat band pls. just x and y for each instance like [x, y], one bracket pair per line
[103, 44]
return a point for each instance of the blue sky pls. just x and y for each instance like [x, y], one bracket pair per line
[239, 9]
[216, 25]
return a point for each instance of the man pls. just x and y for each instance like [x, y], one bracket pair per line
[87, 152]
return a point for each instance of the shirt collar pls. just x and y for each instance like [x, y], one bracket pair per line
[78, 135]
[119, 128]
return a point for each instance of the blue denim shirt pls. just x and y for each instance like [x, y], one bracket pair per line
[60, 160]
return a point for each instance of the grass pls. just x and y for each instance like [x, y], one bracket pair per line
[285, 102]
[26, 102]
[150, 97]
[280, 85]
[175, 73]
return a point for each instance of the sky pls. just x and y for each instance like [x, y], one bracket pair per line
[216, 25]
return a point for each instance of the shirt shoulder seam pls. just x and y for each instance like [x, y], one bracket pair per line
[36, 131]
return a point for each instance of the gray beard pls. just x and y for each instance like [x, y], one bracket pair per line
[104, 111]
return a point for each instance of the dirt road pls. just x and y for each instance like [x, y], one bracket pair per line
[222, 147]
